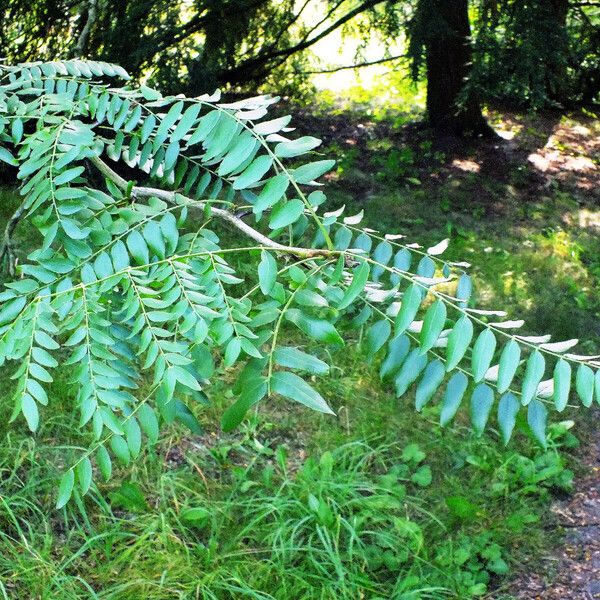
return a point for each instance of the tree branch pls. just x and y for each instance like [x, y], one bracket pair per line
[356, 66]
[323, 20]
[288, 25]
[247, 66]
[139, 192]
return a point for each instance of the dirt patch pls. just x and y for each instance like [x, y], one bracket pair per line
[572, 572]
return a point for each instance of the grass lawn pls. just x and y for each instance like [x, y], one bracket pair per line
[379, 501]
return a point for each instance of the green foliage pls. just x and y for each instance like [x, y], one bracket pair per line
[384, 519]
[145, 310]
[537, 53]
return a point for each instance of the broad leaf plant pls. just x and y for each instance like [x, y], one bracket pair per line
[132, 291]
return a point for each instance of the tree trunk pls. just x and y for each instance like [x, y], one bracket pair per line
[557, 79]
[448, 61]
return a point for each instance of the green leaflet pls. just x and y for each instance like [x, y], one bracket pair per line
[30, 412]
[464, 289]
[205, 126]
[133, 436]
[584, 385]
[458, 341]
[293, 358]
[296, 147]
[317, 329]
[37, 391]
[17, 130]
[240, 153]
[147, 128]
[171, 156]
[397, 351]
[376, 336]
[148, 422]
[137, 247]
[232, 351]
[562, 384]
[411, 369]
[72, 229]
[508, 408]
[316, 198]
[253, 173]
[286, 213]
[153, 236]
[110, 420]
[482, 400]
[133, 120]
[433, 323]
[267, 272]
[65, 488]
[536, 418]
[295, 388]
[483, 352]
[103, 266]
[382, 254]
[120, 448]
[184, 377]
[534, 372]
[11, 310]
[168, 121]
[219, 139]
[68, 175]
[455, 390]
[311, 171]
[306, 297]
[509, 361]
[7, 157]
[426, 267]
[104, 462]
[254, 391]
[271, 193]
[343, 239]
[185, 123]
[430, 382]
[411, 300]
[359, 280]
[84, 474]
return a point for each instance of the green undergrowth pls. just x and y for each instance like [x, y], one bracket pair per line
[376, 502]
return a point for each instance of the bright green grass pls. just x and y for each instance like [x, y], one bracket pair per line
[411, 513]
[390, 506]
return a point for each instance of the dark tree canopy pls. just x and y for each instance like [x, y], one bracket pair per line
[533, 54]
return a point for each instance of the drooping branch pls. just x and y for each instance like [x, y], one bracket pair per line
[140, 192]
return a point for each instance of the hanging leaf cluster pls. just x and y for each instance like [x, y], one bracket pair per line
[132, 292]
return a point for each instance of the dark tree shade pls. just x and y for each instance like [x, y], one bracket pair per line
[531, 53]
